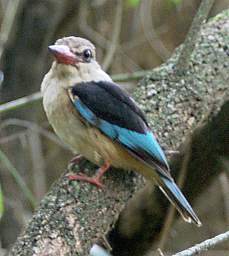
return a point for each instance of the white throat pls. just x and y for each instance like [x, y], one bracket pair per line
[66, 76]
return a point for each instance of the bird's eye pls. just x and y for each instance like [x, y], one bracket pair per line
[87, 55]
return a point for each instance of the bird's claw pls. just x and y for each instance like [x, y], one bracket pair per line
[93, 180]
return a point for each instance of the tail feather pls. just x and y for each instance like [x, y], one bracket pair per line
[175, 196]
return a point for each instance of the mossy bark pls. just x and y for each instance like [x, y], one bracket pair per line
[191, 108]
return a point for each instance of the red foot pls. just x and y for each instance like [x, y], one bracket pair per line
[93, 180]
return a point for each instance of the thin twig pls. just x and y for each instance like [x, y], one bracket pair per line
[18, 179]
[12, 9]
[190, 40]
[224, 182]
[84, 27]
[97, 37]
[149, 31]
[30, 99]
[115, 36]
[12, 137]
[204, 246]
[34, 127]
[160, 252]
[1, 202]
[135, 42]
[38, 164]
[24, 101]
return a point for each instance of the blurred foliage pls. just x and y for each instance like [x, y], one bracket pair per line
[1, 202]
[174, 2]
[133, 3]
[18, 179]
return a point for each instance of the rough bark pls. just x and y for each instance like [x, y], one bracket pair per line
[74, 215]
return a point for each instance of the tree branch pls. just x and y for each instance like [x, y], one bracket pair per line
[149, 30]
[175, 107]
[75, 215]
[21, 102]
[115, 35]
[204, 246]
[36, 97]
[11, 11]
[190, 40]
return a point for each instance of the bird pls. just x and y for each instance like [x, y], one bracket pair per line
[99, 120]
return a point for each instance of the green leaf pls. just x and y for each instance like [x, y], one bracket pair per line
[1, 203]
[133, 3]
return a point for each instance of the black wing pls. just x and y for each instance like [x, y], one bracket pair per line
[109, 102]
[113, 111]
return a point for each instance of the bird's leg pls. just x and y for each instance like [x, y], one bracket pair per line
[95, 180]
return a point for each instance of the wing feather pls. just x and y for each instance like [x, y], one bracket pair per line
[114, 113]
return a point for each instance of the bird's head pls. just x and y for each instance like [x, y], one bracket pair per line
[73, 51]
[75, 62]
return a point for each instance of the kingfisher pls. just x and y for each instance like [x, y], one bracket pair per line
[98, 120]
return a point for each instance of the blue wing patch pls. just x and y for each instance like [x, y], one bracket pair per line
[143, 146]
[133, 140]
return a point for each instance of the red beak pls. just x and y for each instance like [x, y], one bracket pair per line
[63, 54]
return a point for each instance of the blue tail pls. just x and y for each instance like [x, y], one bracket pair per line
[175, 196]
